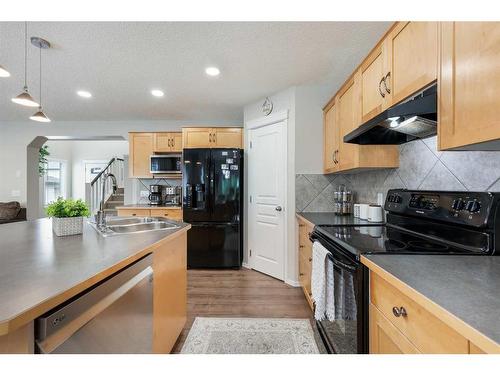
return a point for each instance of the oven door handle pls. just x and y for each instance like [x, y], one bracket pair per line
[341, 264]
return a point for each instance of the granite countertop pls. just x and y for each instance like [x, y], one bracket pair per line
[329, 218]
[468, 287]
[37, 266]
[151, 207]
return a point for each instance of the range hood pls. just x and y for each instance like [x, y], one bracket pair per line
[404, 122]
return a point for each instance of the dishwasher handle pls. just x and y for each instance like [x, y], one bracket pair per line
[54, 328]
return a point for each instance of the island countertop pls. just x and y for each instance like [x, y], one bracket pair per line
[463, 289]
[39, 270]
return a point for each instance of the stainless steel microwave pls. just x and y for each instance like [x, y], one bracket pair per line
[162, 164]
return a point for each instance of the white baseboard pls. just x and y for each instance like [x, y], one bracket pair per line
[246, 265]
[294, 283]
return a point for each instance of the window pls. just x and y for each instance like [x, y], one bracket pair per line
[54, 181]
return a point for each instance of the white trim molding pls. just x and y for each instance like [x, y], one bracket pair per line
[293, 283]
[267, 120]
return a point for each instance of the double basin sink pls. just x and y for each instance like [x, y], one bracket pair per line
[130, 225]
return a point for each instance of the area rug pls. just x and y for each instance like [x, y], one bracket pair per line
[250, 336]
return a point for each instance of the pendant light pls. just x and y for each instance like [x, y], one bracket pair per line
[25, 98]
[4, 72]
[40, 43]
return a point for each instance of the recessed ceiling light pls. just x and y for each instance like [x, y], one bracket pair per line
[84, 94]
[157, 93]
[212, 71]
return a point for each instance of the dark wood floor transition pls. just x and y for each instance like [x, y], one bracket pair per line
[240, 293]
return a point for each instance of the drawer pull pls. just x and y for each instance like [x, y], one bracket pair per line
[301, 225]
[301, 246]
[134, 214]
[399, 311]
[301, 274]
[310, 259]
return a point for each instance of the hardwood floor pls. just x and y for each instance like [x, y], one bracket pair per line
[240, 293]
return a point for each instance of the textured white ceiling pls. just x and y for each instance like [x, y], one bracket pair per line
[121, 62]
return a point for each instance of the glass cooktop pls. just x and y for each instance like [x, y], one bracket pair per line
[385, 239]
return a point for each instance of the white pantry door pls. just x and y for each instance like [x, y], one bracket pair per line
[266, 190]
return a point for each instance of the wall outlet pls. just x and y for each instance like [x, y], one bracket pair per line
[15, 193]
[144, 193]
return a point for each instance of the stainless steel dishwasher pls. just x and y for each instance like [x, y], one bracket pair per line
[114, 316]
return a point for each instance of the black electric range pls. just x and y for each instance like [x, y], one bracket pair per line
[418, 222]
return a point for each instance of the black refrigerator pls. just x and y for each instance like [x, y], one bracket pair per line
[212, 181]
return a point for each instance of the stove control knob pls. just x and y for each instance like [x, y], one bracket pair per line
[473, 206]
[458, 204]
[398, 199]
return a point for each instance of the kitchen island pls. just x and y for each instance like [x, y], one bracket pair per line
[39, 271]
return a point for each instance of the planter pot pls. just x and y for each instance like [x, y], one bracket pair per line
[67, 226]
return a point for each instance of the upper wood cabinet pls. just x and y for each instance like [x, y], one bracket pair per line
[228, 137]
[341, 116]
[372, 74]
[330, 138]
[167, 142]
[402, 63]
[348, 110]
[411, 49]
[469, 85]
[212, 137]
[140, 149]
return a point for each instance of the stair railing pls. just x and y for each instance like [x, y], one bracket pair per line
[115, 166]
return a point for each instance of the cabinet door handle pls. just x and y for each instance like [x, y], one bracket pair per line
[172, 142]
[399, 311]
[168, 143]
[301, 274]
[310, 259]
[215, 137]
[211, 137]
[388, 75]
[380, 88]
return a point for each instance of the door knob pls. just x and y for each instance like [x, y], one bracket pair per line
[278, 208]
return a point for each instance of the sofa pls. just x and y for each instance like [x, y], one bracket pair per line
[11, 212]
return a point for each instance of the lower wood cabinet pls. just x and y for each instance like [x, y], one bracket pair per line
[170, 213]
[169, 293]
[174, 214]
[400, 324]
[423, 329]
[305, 258]
[385, 338]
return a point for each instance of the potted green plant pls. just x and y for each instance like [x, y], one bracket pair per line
[67, 216]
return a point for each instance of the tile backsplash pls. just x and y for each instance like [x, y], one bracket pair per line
[142, 184]
[421, 166]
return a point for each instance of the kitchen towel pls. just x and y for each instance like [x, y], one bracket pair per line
[321, 281]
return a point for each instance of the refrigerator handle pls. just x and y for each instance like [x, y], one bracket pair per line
[212, 184]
